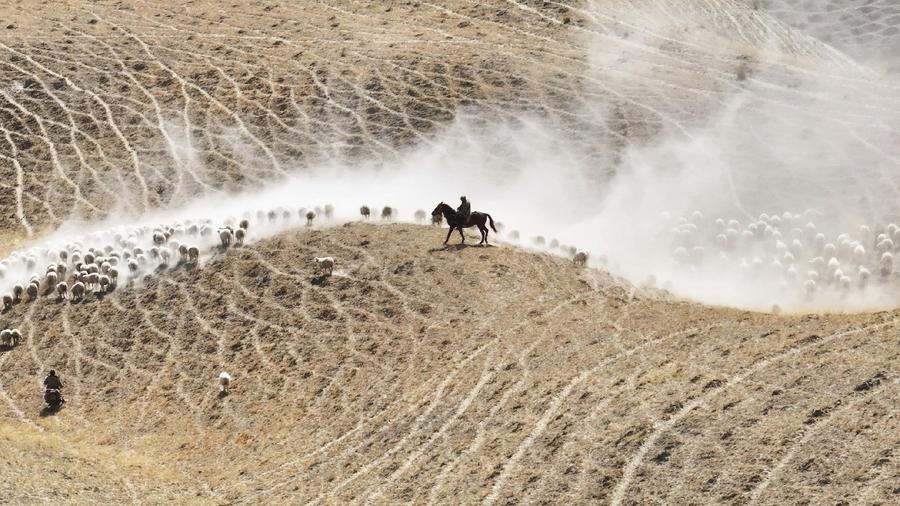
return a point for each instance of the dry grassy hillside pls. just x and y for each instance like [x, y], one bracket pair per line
[126, 106]
[457, 375]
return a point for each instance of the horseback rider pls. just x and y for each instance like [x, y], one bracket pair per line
[464, 210]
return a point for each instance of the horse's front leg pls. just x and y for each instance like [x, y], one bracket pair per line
[448, 234]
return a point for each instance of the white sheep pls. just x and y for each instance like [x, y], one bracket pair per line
[62, 291]
[420, 216]
[32, 291]
[886, 264]
[183, 252]
[580, 259]
[159, 238]
[78, 291]
[329, 211]
[844, 283]
[810, 286]
[226, 237]
[859, 253]
[6, 337]
[92, 281]
[324, 265]
[224, 382]
[16, 336]
[863, 276]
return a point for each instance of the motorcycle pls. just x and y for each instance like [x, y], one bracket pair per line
[53, 399]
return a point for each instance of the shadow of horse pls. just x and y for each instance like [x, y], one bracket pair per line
[460, 247]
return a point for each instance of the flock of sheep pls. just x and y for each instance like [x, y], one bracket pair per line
[788, 247]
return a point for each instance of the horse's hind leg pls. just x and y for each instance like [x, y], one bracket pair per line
[462, 235]
[483, 230]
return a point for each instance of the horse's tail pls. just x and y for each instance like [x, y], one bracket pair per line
[491, 221]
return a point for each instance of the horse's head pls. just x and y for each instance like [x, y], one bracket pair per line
[439, 209]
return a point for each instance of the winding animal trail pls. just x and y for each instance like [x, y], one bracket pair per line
[460, 375]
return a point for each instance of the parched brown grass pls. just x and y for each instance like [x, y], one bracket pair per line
[456, 375]
[416, 374]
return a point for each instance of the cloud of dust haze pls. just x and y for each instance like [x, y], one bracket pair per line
[793, 136]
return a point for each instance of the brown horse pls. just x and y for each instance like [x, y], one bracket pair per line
[476, 219]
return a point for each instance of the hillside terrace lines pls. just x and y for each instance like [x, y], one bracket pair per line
[108, 112]
[661, 428]
[807, 435]
[182, 165]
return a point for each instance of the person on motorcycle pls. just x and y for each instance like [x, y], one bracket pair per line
[53, 390]
[464, 210]
[52, 381]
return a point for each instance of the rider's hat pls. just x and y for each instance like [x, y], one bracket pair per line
[462, 198]
[52, 372]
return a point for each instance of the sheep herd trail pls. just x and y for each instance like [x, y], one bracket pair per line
[691, 296]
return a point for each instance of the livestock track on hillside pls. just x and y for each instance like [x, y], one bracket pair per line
[420, 374]
[468, 375]
[108, 108]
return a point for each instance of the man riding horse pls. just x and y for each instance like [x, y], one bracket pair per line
[462, 218]
[464, 210]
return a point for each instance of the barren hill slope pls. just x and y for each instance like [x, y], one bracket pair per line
[456, 375]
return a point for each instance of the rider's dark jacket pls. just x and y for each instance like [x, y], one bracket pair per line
[52, 382]
[464, 210]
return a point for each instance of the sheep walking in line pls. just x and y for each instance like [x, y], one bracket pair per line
[224, 383]
[92, 281]
[365, 212]
[324, 265]
[244, 225]
[226, 237]
[18, 291]
[78, 292]
[310, 216]
[329, 211]
[239, 236]
[62, 291]
[7, 302]
[194, 254]
[580, 259]
[104, 283]
[420, 216]
[10, 337]
[387, 213]
[32, 291]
